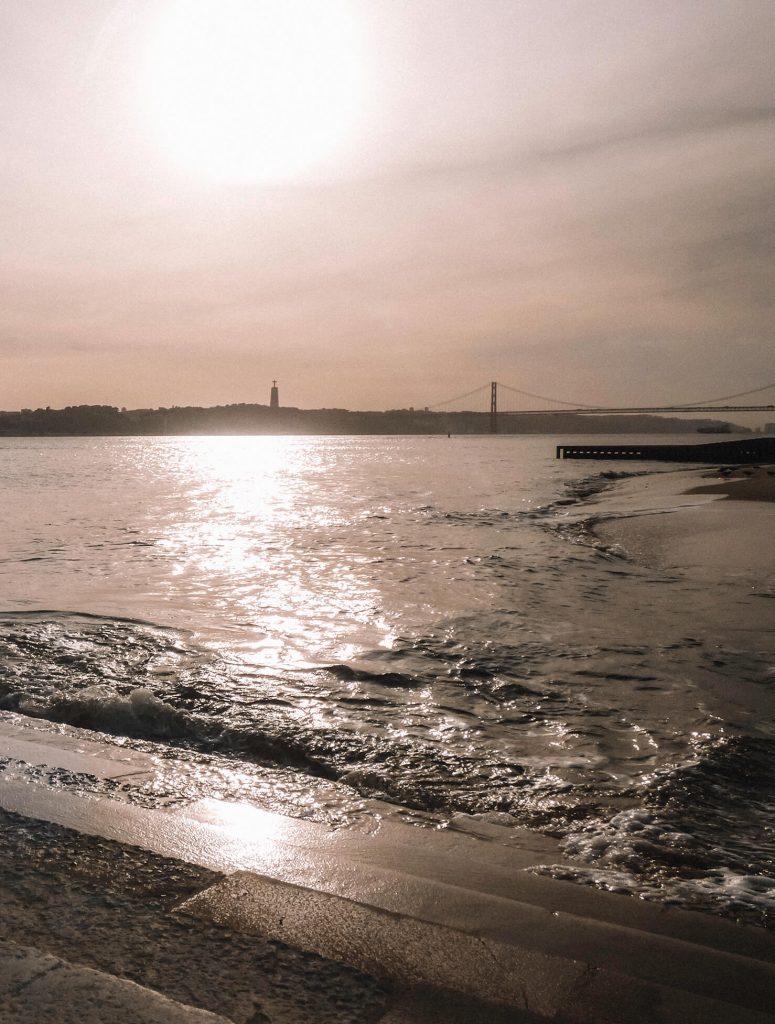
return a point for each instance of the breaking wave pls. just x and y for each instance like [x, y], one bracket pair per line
[700, 836]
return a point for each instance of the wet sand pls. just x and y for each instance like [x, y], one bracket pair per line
[706, 521]
[746, 483]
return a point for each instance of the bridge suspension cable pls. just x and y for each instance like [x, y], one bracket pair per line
[723, 398]
[688, 406]
[543, 398]
[459, 398]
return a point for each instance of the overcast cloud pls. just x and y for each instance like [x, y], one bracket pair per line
[571, 197]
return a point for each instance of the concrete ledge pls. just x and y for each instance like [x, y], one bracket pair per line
[36, 988]
[389, 945]
[425, 1005]
[439, 876]
[567, 985]
[420, 907]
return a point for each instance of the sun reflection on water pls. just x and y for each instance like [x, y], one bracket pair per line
[247, 834]
[262, 542]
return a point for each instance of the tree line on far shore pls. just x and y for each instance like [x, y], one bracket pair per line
[108, 420]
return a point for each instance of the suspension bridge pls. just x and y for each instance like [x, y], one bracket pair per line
[478, 398]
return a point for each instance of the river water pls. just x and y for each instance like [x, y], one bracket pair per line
[422, 621]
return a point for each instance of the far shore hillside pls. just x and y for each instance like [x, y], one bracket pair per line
[106, 420]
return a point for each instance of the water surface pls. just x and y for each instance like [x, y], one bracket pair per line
[425, 621]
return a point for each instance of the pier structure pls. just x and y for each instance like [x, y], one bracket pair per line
[753, 449]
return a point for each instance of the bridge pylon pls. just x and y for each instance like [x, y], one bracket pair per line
[493, 407]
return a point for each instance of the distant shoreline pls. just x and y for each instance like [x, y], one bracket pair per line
[246, 420]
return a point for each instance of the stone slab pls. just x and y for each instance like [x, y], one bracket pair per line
[36, 988]
[426, 1005]
[555, 976]
[457, 891]
[383, 944]
[59, 746]
[474, 888]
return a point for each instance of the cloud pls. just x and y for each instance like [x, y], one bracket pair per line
[566, 195]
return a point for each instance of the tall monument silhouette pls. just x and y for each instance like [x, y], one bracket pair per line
[274, 397]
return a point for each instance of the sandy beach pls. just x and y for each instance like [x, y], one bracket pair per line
[702, 520]
[745, 483]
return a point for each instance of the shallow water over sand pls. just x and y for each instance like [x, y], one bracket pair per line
[425, 621]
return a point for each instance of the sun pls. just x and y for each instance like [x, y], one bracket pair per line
[253, 90]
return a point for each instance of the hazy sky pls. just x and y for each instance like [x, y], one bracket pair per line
[576, 197]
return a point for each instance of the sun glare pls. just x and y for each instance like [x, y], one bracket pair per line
[253, 90]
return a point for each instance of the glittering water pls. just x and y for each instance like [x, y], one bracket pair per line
[421, 620]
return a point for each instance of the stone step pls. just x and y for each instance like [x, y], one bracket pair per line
[540, 945]
[37, 988]
[406, 869]
[547, 966]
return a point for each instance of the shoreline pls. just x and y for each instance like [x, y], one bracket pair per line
[703, 520]
[230, 908]
[744, 483]
[314, 924]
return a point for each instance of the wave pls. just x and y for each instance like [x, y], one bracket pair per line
[148, 683]
[701, 836]
[408, 772]
[575, 492]
[696, 831]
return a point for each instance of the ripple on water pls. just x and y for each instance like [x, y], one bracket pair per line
[458, 644]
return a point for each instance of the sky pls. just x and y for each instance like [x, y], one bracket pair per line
[385, 203]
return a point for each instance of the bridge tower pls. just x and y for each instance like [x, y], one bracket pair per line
[274, 396]
[493, 407]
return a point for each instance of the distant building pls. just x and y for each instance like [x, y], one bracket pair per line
[274, 397]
